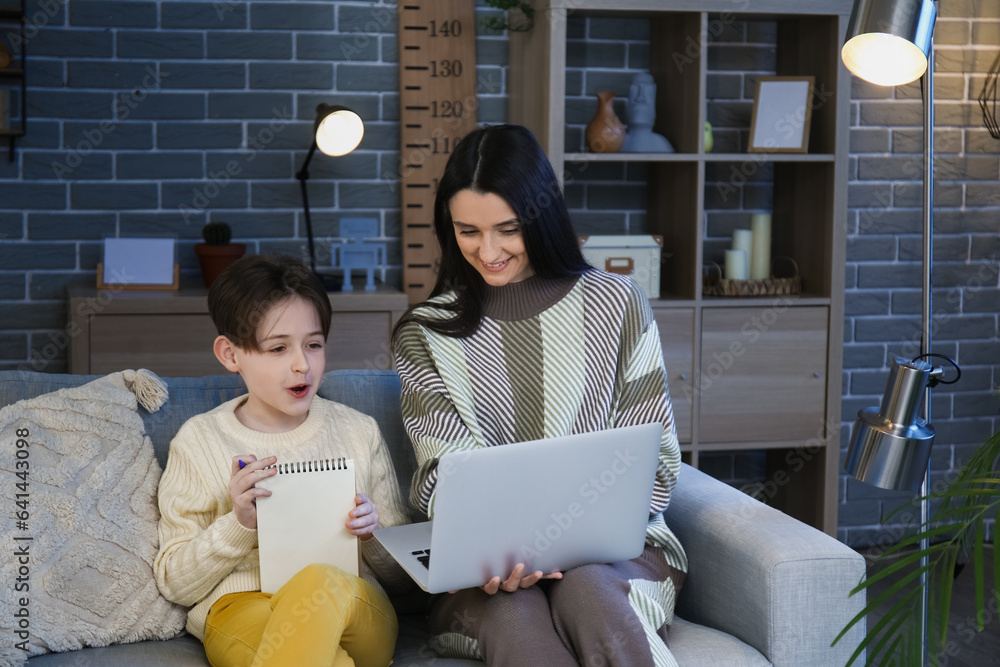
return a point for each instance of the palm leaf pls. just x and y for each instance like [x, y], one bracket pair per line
[978, 565]
[957, 525]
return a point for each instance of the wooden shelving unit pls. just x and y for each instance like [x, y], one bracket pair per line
[14, 74]
[759, 374]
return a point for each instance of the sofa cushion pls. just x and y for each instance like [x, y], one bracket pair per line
[184, 651]
[88, 481]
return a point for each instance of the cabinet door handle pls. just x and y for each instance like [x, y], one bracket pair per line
[683, 376]
[817, 374]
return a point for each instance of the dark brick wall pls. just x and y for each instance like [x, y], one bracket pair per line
[154, 117]
[151, 118]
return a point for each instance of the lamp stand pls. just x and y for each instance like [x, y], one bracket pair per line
[331, 282]
[926, 313]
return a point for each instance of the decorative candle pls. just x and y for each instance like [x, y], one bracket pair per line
[760, 256]
[736, 265]
[743, 240]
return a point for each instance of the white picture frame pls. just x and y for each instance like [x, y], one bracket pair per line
[782, 113]
[138, 263]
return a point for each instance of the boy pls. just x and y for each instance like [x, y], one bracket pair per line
[273, 318]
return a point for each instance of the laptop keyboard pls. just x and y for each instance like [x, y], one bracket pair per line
[424, 556]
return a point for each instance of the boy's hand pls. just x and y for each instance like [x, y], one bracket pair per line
[242, 489]
[363, 519]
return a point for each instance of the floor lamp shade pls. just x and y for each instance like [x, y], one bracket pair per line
[890, 445]
[888, 40]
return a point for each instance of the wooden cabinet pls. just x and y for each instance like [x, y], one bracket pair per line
[763, 374]
[171, 334]
[677, 339]
[760, 374]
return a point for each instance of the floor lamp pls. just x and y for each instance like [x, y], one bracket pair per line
[890, 43]
[337, 131]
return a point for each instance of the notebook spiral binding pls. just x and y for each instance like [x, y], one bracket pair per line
[339, 463]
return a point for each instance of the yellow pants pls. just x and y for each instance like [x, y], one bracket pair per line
[321, 617]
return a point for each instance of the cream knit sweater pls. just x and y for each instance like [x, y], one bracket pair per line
[205, 552]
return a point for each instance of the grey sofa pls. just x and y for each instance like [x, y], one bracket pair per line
[763, 589]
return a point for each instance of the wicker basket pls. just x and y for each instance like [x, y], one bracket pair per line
[713, 284]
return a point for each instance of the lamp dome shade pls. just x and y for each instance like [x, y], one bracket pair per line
[338, 130]
[888, 40]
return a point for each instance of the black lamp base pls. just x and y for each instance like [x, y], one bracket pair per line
[332, 282]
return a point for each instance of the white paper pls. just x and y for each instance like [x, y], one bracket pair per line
[138, 261]
[302, 522]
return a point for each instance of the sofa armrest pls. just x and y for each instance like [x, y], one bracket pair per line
[768, 579]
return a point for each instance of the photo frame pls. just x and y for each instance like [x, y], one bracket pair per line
[782, 111]
[138, 264]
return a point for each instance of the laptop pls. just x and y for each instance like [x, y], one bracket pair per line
[552, 504]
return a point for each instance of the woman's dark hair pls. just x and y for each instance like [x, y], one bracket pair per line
[243, 294]
[504, 160]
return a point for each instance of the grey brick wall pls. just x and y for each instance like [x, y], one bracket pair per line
[884, 253]
[153, 117]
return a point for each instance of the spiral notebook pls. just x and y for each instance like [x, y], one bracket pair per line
[302, 521]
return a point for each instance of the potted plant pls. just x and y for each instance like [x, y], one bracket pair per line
[216, 253]
[956, 530]
[524, 13]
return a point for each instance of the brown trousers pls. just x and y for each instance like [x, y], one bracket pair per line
[586, 618]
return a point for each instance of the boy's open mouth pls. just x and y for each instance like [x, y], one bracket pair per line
[299, 390]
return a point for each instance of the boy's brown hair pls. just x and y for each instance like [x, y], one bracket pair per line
[245, 292]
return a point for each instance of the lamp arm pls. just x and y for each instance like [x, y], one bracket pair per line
[303, 176]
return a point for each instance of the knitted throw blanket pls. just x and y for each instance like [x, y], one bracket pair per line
[80, 542]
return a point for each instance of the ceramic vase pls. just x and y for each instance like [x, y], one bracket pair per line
[605, 132]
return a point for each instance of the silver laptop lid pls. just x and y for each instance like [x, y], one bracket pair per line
[552, 504]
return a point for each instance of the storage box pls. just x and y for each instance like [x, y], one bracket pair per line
[636, 256]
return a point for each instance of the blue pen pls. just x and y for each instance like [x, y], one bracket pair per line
[243, 464]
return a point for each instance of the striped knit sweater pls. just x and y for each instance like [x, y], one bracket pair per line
[551, 358]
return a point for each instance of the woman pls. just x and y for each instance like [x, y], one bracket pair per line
[520, 340]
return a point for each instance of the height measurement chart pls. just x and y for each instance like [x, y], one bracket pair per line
[437, 95]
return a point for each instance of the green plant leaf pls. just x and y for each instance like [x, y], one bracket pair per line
[996, 556]
[903, 563]
[979, 564]
[957, 526]
[947, 582]
[890, 634]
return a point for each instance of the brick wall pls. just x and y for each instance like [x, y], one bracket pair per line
[154, 117]
[150, 118]
[884, 251]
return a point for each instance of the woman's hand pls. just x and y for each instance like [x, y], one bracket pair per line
[363, 519]
[242, 489]
[517, 579]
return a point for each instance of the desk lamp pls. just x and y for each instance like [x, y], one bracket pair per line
[337, 131]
